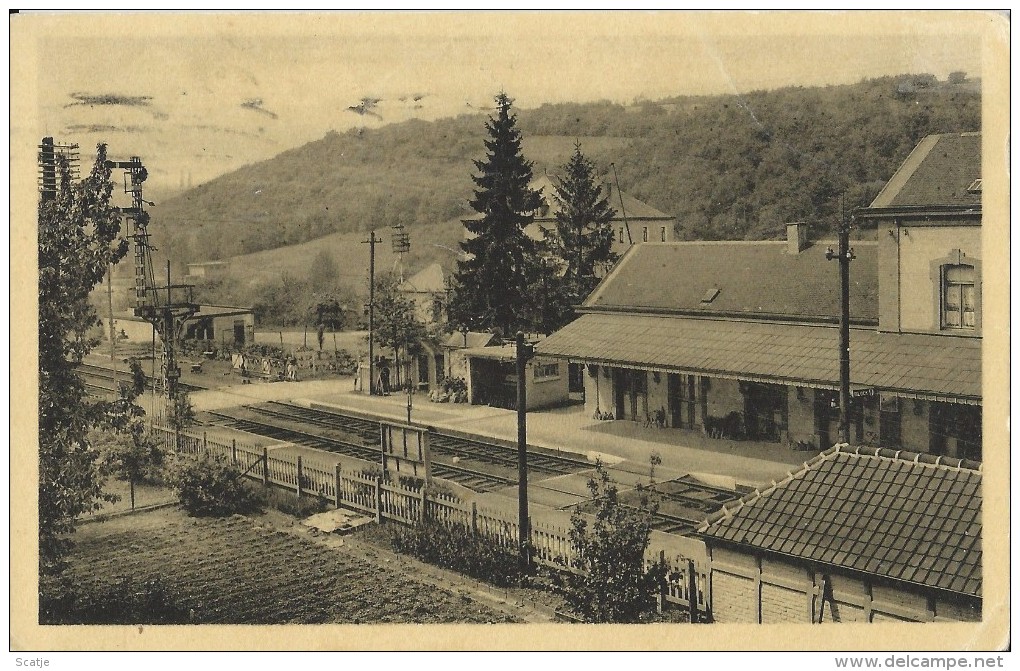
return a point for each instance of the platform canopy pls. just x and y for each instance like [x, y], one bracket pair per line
[931, 367]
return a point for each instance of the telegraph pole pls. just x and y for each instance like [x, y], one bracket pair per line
[524, 352]
[844, 255]
[371, 310]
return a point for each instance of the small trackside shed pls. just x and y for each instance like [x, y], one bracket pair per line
[856, 535]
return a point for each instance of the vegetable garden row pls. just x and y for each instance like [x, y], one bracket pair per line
[551, 546]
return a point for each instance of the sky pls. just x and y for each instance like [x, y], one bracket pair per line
[198, 95]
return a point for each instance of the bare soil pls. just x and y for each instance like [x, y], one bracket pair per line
[241, 570]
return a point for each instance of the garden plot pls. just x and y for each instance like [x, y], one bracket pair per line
[237, 571]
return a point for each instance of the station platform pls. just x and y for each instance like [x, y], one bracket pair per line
[625, 446]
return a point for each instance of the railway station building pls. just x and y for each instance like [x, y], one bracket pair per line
[740, 339]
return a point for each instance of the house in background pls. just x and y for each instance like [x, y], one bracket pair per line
[635, 221]
[856, 535]
[741, 338]
[207, 270]
[428, 291]
[929, 235]
[223, 325]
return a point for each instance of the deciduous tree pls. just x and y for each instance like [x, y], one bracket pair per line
[79, 237]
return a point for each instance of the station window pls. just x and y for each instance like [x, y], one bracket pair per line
[958, 298]
[662, 232]
[546, 370]
[644, 234]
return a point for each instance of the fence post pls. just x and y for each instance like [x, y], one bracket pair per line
[660, 597]
[378, 500]
[233, 450]
[336, 481]
[692, 590]
[265, 466]
[474, 518]
[299, 473]
[177, 439]
[423, 514]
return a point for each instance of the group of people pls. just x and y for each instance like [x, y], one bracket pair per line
[270, 368]
[381, 385]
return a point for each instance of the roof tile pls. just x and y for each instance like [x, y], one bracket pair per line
[910, 537]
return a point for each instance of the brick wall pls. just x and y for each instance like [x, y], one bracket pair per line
[733, 598]
[780, 604]
[751, 589]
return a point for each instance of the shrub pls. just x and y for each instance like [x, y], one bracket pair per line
[211, 486]
[127, 600]
[454, 547]
[289, 503]
[615, 586]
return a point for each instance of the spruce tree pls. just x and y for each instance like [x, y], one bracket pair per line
[491, 285]
[583, 237]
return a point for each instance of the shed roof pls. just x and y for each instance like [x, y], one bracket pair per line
[936, 367]
[940, 171]
[473, 339]
[746, 278]
[903, 516]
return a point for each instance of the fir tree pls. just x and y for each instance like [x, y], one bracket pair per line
[583, 237]
[491, 285]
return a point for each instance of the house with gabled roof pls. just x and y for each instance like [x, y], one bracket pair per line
[855, 535]
[740, 338]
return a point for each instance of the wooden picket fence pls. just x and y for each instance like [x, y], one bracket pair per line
[551, 545]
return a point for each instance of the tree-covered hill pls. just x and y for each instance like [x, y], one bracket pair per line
[728, 167]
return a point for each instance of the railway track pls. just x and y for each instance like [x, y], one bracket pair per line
[461, 474]
[474, 463]
[442, 444]
[100, 379]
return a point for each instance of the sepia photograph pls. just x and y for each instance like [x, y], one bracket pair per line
[510, 330]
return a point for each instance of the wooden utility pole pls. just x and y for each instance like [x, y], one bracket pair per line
[524, 352]
[113, 336]
[844, 255]
[372, 240]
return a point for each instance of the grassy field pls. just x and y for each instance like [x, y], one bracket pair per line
[239, 571]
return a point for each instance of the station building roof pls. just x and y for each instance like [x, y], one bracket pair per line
[942, 170]
[760, 279]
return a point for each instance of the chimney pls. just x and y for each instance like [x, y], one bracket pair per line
[796, 237]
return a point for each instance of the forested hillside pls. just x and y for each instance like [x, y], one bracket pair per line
[728, 167]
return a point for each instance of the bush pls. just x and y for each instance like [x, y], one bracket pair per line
[615, 587]
[452, 390]
[455, 547]
[127, 600]
[289, 503]
[211, 486]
